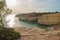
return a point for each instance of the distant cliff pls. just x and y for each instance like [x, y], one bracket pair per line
[41, 18]
[30, 17]
[50, 19]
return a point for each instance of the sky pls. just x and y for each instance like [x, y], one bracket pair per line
[23, 6]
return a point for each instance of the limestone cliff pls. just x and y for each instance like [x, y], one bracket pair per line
[41, 18]
[50, 19]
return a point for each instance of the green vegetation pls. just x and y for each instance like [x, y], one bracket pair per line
[8, 34]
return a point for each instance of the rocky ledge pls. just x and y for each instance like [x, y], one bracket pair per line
[37, 34]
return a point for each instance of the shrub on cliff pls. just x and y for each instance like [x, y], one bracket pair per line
[8, 34]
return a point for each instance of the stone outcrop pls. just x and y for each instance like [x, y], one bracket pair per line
[50, 19]
[30, 17]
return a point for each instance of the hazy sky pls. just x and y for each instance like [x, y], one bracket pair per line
[34, 5]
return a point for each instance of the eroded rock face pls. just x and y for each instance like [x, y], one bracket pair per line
[45, 19]
[50, 19]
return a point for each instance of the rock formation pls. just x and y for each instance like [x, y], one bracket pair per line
[45, 19]
[50, 19]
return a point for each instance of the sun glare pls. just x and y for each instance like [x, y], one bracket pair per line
[11, 2]
[10, 20]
